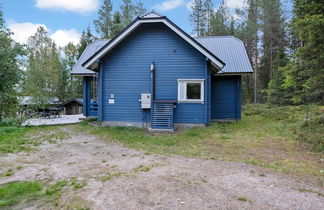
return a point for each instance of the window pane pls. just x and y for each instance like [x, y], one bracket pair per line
[193, 90]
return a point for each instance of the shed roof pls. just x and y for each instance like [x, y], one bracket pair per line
[87, 53]
[230, 50]
[78, 100]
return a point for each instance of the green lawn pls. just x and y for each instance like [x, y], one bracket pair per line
[16, 139]
[22, 193]
[272, 137]
[17, 192]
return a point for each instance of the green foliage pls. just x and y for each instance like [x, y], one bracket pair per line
[12, 122]
[15, 192]
[220, 25]
[117, 25]
[86, 38]
[302, 79]
[128, 11]
[110, 24]
[43, 69]
[10, 69]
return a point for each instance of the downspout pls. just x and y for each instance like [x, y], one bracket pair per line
[85, 97]
[206, 95]
[100, 92]
[152, 82]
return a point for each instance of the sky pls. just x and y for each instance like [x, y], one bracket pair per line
[66, 19]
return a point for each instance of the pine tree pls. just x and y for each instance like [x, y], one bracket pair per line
[209, 12]
[128, 12]
[104, 22]
[198, 17]
[251, 40]
[273, 41]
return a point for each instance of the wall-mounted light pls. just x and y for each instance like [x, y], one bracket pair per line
[152, 66]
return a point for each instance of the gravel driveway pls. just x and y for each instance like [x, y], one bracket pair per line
[63, 119]
[121, 178]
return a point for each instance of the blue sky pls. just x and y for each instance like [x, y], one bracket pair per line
[65, 19]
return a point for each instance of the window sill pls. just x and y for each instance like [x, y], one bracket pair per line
[191, 101]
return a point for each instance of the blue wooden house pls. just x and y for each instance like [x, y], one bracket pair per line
[153, 74]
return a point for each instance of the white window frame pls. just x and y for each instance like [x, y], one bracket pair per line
[183, 89]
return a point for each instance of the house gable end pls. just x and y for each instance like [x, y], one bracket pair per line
[91, 62]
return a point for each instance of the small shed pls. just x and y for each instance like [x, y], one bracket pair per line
[73, 106]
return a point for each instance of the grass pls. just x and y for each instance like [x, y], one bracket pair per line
[241, 199]
[143, 168]
[14, 194]
[109, 176]
[16, 139]
[267, 136]
[17, 192]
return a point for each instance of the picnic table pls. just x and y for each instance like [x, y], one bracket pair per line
[54, 111]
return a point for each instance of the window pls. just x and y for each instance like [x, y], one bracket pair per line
[191, 90]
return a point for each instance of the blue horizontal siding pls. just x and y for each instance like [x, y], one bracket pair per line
[226, 97]
[126, 74]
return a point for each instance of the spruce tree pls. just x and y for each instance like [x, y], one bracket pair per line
[86, 38]
[104, 22]
[117, 24]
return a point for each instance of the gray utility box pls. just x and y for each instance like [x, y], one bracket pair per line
[145, 101]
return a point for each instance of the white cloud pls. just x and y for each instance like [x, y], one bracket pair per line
[80, 6]
[235, 3]
[169, 5]
[190, 4]
[22, 31]
[63, 37]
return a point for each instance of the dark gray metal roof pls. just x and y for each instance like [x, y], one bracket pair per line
[87, 53]
[78, 100]
[230, 50]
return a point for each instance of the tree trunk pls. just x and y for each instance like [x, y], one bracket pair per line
[255, 68]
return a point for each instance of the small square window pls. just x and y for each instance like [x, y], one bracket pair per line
[191, 90]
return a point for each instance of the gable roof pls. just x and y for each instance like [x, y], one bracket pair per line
[78, 100]
[231, 50]
[87, 53]
[152, 17]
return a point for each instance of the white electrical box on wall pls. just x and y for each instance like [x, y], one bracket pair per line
[145, 101]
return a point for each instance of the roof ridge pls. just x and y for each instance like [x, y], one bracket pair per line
[152, 14]
[226, 36]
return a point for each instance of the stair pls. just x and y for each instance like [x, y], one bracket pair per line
[162, 115]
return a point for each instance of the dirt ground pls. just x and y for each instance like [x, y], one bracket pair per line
[117, 177]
